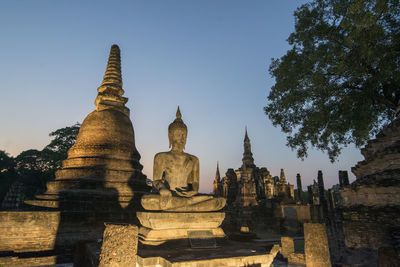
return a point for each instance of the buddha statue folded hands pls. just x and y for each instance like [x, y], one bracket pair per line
[176, 177]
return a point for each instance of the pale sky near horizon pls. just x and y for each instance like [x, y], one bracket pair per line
[209, 57]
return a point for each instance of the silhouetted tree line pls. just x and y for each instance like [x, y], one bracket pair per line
[33, 168]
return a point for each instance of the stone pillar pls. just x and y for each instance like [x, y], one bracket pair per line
[345, 178]
[331, 199]
[316, 245]
[287, 246]
[299, 188]
[119, 246]
[322, 199]
[310, 194]
[341, 179]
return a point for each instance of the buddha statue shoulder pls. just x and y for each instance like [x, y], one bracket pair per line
[176, 177]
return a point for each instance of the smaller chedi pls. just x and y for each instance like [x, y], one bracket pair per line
[249, 185]
[177, 209]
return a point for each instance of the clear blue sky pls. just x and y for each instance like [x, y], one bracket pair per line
[209, 57]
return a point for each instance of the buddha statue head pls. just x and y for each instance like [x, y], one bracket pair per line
[177, 133]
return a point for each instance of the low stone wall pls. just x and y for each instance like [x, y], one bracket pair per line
[28, 231]
[264, 260]
[36, 231]
[303, 213]
[370, 227]
[31, 261]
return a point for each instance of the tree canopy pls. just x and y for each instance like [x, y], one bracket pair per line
[340, 81]
[33, 168]
[63, 139]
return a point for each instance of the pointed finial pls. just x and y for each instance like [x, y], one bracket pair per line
[246, 136]
[110, 91]
[112, 80]
[283, 177]
[217, 174]
[178, 114]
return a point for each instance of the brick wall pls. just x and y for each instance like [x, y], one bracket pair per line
[28, 231]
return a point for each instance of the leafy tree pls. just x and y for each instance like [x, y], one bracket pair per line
[7, 173]
[34, 168]
[340, 81]
[6, 162]
[56, 151]
[33, 171]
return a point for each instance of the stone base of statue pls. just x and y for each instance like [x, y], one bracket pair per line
[160, 227]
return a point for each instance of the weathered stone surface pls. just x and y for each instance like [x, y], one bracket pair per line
[156, 237]
[104, 159]
[303, 213]
[176, 177]
[381, 154]
[287, 245]
[28, 231]
[297, 258]
[159, 227]
[180, 220]
[218, 258]
[119, 246]
[370, 195]
[316, 245]
[370, 206]
[31, 261]
[199, 203]
[369, 227]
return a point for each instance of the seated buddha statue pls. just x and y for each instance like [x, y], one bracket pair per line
[176, 177]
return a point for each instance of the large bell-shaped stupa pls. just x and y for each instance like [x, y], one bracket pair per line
[102, 169]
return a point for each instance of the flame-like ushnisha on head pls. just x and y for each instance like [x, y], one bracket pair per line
[176, 124]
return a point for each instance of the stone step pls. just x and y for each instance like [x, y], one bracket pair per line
[54, 187]
[99, 162]
[99, 173]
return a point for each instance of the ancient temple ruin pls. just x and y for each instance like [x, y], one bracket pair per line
[101, 184]
[100, 181]
[370, 206]
[249, 185]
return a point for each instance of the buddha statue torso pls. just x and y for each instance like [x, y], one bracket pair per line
[176, 177]
[176, 170]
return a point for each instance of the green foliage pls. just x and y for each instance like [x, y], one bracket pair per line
[7, 173]
[33, 168]
[340, 81]
[56, 151]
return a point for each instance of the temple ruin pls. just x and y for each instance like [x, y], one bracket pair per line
[100, 209]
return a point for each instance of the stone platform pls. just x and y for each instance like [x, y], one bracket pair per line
[230, 253]
[159, 227]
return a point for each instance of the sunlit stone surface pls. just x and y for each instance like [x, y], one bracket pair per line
[176, 177]
[102, 168]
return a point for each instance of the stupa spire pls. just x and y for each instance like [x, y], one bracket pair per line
[247, 155]
[246, 136]
[283, 177]
[112, 77]
[217, 174]
[110, 91]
